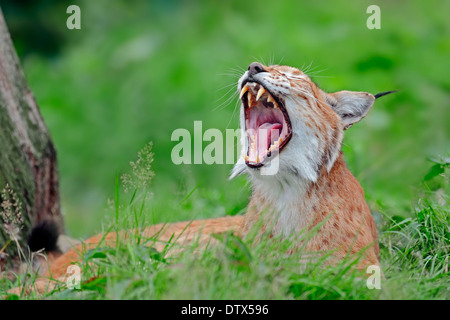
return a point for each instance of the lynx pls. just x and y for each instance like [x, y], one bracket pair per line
[289, 120]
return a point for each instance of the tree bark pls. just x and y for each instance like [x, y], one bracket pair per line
[29, 190]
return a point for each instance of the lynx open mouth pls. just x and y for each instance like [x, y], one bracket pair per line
[267, 124]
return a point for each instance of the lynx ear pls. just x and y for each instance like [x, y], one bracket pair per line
[350, 106]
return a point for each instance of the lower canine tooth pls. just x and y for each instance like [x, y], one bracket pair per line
[249, 99]
[271, 99]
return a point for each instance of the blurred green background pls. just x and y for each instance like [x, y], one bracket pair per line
[137, 70]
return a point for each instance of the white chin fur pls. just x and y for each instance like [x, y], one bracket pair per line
[239, 168]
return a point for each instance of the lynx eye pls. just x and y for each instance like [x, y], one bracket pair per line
[296, 77]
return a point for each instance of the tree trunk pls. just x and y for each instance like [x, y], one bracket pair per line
[29, 190]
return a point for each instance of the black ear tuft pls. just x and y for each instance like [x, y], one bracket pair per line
[379, 95]
[44, 235]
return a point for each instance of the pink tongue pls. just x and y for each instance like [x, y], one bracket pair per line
[266, 135]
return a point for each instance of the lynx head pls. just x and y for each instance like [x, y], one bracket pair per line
[288, 119]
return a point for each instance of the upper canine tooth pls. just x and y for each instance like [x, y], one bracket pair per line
[243, 91]
[260, 93]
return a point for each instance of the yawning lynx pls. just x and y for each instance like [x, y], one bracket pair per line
[287, 116]
[289, 121]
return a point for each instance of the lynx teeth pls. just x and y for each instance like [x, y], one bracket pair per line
[272, 100]
[243, 91]
[261, 91]
[250, 99]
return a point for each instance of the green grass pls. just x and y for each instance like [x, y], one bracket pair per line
[415, 256]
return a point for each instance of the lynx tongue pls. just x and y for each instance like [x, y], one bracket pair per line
[266, 134]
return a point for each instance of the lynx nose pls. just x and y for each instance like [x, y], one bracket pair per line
[255, 68]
